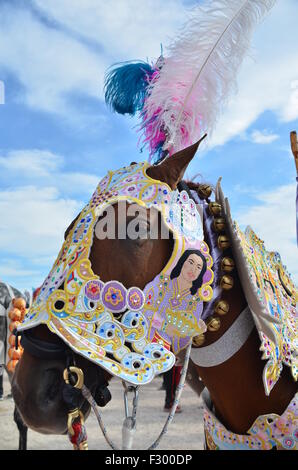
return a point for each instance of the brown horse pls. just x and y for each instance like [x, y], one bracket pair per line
[235, 385]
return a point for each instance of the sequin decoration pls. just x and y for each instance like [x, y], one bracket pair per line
[107, 323]
[277, 297]
[267, 432]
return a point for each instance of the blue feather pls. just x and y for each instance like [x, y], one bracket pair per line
[125, 86]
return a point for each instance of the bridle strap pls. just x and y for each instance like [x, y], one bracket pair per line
[42, 349]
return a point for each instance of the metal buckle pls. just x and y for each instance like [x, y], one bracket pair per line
[80, 376]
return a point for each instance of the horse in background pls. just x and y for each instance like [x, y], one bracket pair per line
[11, 299]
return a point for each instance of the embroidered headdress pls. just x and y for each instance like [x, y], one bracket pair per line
[76, 305]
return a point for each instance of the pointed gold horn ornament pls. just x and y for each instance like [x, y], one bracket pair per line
[214, 208]
[219, 224]
[223, 242]
[213, 324]
[226, 282]
[222, 307]
[198, 340]
[227, 264]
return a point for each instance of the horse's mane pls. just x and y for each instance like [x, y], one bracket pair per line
[198, 191]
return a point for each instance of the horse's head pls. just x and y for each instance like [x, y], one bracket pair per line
[112, 251]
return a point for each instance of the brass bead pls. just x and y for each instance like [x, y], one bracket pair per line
[198, 340]
[223, 242]
[222, 307]
[205, 190]
[213, 324]
[219, 224]
[227, 265]
[226, 282]
[214, 208]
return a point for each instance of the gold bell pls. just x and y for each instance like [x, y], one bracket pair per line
[213, 324]
[223, 242]
[214, 208]
[219, 224]
[222, 307]
[198, 340]
[205, 190]
[227, 265]
[226, 282]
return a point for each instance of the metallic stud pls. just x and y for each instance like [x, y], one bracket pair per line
[213, 324]
[198, 340]
[226, 282]
[222, 307]
[223, 242]
[219, 224]
[205, 190]
[214, 208]
[227, 264]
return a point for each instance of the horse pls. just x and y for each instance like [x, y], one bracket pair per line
[7, 294]
[232, 375]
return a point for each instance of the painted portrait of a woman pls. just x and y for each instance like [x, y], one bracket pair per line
[173, 303]
[189, 271]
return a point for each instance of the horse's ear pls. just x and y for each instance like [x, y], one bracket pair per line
[172, 169]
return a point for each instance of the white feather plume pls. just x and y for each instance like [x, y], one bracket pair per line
[200, 71]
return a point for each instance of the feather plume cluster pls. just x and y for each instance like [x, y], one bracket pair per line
[126, 86]
[198, 75]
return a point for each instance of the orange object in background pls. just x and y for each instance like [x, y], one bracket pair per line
[19, 303]
[12, 340]
[15, 353]
[12, 365]
[16, 315]
[13, 325]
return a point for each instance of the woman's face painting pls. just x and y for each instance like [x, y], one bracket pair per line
[192, 267]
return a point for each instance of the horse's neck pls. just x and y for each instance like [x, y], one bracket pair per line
[235, 385]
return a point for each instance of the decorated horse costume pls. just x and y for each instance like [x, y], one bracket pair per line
[84, 311]
[132, 324]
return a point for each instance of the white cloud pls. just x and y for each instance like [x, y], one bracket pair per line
[33, 220]
[35, 214]
[30, 164]
[47, 62]
[13, 268]
[263, 137]
[127, 29]
[275, 225]
[269, 81]
[290, 110]
[53, 63]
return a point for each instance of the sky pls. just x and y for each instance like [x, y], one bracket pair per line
[58, 138]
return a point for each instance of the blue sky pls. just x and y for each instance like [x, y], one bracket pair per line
[58, 138]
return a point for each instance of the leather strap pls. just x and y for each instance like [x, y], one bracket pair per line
[228, 345]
